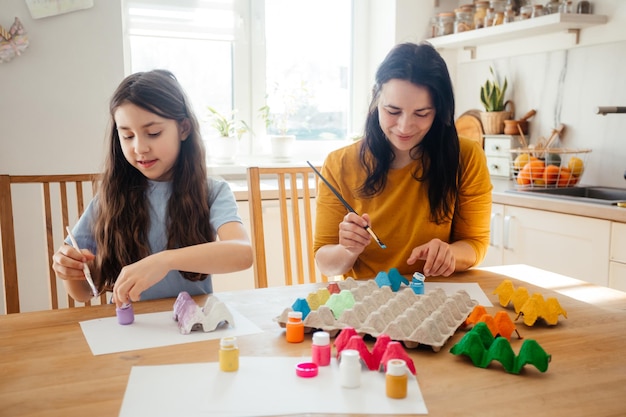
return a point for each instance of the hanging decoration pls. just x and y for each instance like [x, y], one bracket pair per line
[46, 8]
[12, 42]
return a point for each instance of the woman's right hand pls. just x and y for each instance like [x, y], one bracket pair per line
[68, 263]
[352, 234]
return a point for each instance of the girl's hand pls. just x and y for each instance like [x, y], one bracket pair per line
[439, 258]
[68, 263]
[138, 277]
[352, 233]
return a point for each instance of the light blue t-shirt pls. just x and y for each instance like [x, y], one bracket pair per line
[223, 209]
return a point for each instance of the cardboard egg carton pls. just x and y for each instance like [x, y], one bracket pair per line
[413, 319]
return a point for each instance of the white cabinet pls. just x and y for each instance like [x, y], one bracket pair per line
[498, 153]
[617, 264]
[570, 245]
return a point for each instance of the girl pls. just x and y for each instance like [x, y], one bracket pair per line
[425, 191]
[157, 225]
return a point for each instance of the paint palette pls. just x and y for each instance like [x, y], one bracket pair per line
[413, 319]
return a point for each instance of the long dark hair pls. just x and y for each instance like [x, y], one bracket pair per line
[121, 226]
[439, 151]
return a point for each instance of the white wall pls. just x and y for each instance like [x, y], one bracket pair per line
[54, 113]
[54, 106]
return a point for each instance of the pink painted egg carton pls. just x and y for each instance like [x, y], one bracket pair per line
[413, 319]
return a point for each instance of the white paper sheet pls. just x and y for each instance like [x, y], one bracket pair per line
[472, 288]
[154, 330]
[262, 386]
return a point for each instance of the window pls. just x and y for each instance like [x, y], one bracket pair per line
[291, 55]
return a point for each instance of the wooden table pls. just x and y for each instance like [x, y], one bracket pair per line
[47, 369]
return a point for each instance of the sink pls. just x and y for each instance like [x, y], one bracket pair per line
[591, 194]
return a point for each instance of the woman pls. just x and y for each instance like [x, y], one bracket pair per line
[425, 191]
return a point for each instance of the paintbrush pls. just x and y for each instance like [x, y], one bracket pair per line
[346, 205]
[85, 267]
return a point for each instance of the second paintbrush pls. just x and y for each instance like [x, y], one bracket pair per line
[346, 205]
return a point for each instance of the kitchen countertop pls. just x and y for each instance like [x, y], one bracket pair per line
[597, 211]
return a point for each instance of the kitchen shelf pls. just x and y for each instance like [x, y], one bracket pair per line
[552, 23]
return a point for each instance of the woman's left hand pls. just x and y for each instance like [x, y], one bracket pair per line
[438, 257]
[138, 277]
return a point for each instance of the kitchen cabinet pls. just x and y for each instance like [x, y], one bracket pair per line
[617, 260]
[498, 153]
[562, 243]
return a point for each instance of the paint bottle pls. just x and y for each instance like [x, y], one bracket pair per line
[229, 354]
[396, 378]
[320, 349]
[125, 314]
[295, 327]
[350, 368]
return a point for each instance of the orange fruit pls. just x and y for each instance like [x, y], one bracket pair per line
[551, 174]
[532, 171]
[565, 177]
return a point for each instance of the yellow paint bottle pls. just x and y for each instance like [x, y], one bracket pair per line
[396, 379]
[229, 354]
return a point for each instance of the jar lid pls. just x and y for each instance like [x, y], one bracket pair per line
[295, 315]
[321, 338]
[229, 341]
[306, 369]
[396, 367]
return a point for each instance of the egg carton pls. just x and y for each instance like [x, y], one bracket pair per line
[413, 319]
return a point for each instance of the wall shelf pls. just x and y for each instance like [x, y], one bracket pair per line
[552, 23]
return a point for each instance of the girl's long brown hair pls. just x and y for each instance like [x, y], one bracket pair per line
[122, 218]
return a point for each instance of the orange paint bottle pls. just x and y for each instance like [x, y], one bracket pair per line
[295, 327]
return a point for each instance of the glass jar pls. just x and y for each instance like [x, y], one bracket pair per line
[490, 17]
[480, 13]
[583, 7]
[509, 15]
[566, 7]
[552, 6]
[525, 12]
[463, 21]
[445, 23]
[537, 11]
[497, 5]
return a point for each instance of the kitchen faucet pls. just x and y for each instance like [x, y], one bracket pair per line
[604, 110]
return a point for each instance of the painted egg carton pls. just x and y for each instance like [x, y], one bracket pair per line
[413, 319]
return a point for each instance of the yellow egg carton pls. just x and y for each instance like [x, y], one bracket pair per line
[531, 307]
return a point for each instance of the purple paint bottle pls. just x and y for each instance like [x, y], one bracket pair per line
[125, 314]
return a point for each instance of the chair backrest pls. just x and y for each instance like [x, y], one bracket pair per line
[293, 189]
[44, 206]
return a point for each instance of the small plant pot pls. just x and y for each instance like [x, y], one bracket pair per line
[282, 147]
[493, 121]
[222, 150]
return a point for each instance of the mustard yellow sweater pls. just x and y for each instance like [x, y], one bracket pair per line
[400, 214]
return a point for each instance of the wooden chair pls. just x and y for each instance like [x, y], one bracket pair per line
[295, 197]
[59, 199]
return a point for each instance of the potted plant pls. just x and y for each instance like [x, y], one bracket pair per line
[281, 142]
[228, 131]
[492, 98]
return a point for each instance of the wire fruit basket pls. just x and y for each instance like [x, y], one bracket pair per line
[548, 168]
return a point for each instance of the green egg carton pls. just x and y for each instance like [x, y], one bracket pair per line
[482, 348]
